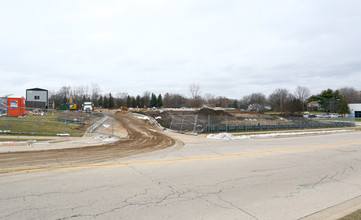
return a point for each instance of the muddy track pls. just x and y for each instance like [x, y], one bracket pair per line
[141, 139]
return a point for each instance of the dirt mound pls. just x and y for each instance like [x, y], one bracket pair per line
[211, 112]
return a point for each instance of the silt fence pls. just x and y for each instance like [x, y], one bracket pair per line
[209, 124]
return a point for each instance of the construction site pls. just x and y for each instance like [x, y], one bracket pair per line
[76, 137]
[88, 144]
[80, 134]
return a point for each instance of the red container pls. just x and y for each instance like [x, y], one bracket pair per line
[16, 107]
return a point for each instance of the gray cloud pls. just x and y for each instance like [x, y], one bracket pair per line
[231, 49]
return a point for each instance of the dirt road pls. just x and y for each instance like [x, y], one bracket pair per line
[141, 138]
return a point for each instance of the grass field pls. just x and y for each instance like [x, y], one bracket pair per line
[51, 124]
[353, 216]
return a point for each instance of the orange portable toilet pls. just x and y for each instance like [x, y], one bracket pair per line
[16, 107]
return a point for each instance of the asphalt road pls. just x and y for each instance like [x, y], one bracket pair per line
[271, 178]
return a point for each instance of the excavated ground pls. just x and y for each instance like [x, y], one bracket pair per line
[141, 138]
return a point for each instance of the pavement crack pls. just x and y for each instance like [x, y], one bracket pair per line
[236, 207]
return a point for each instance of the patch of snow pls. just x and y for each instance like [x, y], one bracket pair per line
[39, 143]
[12, 142]
[106, 138]
[158, 117]
[223, 136]
[228, 136]
[106, 125]
[143, 117]
[63, 134]
[150, 119]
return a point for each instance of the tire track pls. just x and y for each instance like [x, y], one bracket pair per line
[140, 139]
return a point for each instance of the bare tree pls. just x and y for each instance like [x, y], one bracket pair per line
[209, 98]
[177, 100]
[167, 100]
[121, 99]
[257, 102]
[351, 95]
[196, 100]
[278, 98]
[61, 96]
[95, 93]
[244, 102]
[254, 102]
[194, 90]
[224, 102]
[302, 93]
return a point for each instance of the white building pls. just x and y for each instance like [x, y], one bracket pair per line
[37, 98]
[355, 110]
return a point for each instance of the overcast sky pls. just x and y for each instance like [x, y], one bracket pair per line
[231, 48]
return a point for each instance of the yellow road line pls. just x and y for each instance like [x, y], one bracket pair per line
[87, 166]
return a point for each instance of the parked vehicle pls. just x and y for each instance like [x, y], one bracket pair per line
[88, 107]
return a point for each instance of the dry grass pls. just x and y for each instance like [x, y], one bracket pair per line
[353, 216]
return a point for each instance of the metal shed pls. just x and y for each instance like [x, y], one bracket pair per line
[37, 98]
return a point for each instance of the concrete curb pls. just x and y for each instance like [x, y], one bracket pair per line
[337, 211]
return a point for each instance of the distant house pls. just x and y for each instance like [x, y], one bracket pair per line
[313, 106]
[37, 98]
[209, 106]
[355, 110]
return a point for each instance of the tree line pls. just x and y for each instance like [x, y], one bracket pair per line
[281, 100]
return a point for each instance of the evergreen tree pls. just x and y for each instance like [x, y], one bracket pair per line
[137, 101]
[235, 104]
[328, 99]
[153, 100]
[159, 101]
[342, 107]
[105, 102]
[111, 101]
[129, 102]
[134, 105]
[100, 101]
[142, 103]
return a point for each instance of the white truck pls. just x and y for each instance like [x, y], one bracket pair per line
[88, 107]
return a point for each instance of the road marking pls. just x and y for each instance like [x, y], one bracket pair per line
[186, 159]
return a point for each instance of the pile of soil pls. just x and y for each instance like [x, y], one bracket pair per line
[208, 116]
[165, 117]
[211, 112]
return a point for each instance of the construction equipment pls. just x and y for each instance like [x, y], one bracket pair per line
[72, 106]
[88, 106]
[123, 108]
